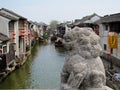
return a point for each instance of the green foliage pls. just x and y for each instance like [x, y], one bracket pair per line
[53, 24]
[45, 35]
[36, 34]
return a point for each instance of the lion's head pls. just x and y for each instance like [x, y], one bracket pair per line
[84, 41]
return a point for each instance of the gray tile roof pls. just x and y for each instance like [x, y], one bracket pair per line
[7, 16]
[110, 18]
[43, 24]
[9, 11]
[79, 21]
[3, 37]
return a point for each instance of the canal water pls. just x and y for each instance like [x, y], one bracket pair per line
[41, 70]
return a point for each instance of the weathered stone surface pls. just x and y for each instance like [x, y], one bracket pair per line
[83, 68]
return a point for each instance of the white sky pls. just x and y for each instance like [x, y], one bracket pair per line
[61, 10]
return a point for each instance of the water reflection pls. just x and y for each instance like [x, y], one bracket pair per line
[41, 71]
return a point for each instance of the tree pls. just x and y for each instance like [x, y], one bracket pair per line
[53, 24]
[45, 35]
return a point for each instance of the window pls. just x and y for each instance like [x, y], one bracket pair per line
[0, 49]
[111, 51]
[4, 49]
[105, 47]
[106, 27]
[11, 25]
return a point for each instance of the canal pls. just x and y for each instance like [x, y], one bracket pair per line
[41, 70]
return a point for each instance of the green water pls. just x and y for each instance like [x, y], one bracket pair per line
[41, 71]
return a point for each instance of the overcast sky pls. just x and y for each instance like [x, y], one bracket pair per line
[61, 10]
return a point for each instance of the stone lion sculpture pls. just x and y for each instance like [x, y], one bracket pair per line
[83, 68]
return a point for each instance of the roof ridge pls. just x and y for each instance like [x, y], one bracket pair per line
[7, 16]
[12, 12]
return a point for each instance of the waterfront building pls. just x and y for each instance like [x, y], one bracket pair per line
[110, 25]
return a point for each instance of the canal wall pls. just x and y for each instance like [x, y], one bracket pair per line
[16, 65]
[111, 58]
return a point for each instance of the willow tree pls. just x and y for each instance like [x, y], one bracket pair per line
[53, 24]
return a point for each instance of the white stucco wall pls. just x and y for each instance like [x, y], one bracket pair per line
[17, 37]
[104, 40]
[118, 49]
[4, 25]
[103, 37]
